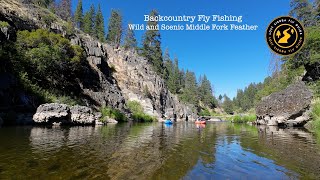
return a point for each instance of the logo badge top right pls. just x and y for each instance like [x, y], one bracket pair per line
[285, 35]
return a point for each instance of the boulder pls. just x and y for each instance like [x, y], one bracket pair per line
[60, 114]
[289, 107]
[52, 112]
[110, 120]
[82, 115]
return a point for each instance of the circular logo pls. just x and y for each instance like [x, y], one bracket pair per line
[285, 35]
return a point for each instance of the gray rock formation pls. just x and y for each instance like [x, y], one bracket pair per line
[82, 115]
[57, 114]
[53, 112]
[138, 82]
[289, 107]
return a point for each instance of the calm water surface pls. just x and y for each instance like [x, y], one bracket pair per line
[157, 151]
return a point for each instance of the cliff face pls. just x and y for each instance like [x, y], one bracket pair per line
[138, 82]
[129, 78]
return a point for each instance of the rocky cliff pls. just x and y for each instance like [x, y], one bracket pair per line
[129, 78]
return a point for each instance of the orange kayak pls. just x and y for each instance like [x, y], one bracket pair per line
[200, 122]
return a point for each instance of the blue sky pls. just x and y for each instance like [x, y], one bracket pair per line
[230, 59]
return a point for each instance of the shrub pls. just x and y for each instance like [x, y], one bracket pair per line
[112, 113]
[315, 114]
[142, 117]
[204, 112]
[243, 118]
[137, 112]
[48, 58]
[3, 24]
[135, 107]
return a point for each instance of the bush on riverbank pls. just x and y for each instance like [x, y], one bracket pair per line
[242, 118]
[315, 114]
[108, 112]
[137, 112]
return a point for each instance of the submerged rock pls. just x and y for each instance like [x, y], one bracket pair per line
[57, 114]
[289, 107]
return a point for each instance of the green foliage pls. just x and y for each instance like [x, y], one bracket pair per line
[135, 107]
[108, 112]
[204, 112]
[141, 117]
[78, 15]
[315, 114]
[49, 19]
[189, 94]
[115, 28]
[227, 105]
[152, 45]
[68, 28]
[243, 118]
[137, 112]
[89, 20]
[3, 24]
[205, 92]
[46, 64]
[130, 41]
[99, 25]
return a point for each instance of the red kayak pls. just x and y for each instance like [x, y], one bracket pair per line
[200, 122]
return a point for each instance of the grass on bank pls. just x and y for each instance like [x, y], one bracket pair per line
[137, 112]
[315, 114]
[242, 118]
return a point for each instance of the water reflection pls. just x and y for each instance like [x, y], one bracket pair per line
[158, 151]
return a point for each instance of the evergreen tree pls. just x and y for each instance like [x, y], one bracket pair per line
[190, 91]
[205, 92]
[88, 21]
[168, 68]
[115, 29]
[130, 41]
[227, 105]
[176, 75]
[78, 16]
[303, 11]
[152, 45]
[99, 25]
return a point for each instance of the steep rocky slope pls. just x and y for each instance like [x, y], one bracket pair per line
[130, 78]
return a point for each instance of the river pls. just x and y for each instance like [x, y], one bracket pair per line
[157, 151]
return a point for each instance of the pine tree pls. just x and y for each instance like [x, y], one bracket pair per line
[78, 16]
[115, 29]
[88, 21]
[99, 25]
[176, 75]
[205, 92]
[130, 41]
[152, 45]
[303, 11]
[190, 91]
[227, 105]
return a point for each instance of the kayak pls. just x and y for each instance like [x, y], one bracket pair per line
[200, 122]
[168, 121]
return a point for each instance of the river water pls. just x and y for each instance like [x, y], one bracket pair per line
[158, 151]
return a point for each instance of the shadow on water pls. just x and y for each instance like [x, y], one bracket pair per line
[158, 151]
